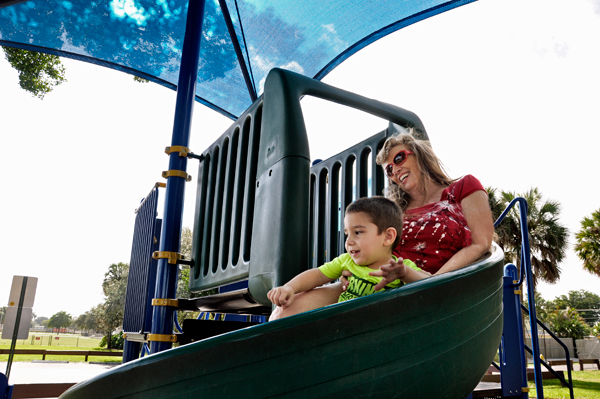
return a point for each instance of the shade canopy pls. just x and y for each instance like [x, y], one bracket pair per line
[242, 40]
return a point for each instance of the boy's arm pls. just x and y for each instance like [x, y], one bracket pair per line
[284, 296]
[397, 270]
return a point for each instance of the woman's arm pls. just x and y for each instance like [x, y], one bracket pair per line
[477, 212]
[397, 270]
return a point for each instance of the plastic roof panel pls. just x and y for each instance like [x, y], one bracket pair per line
[145, 37]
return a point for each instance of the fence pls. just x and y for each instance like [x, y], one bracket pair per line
[55, 340]
[44, 353]
[550, 349]
[588, 348]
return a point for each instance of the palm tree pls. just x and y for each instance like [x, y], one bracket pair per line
[507, 233]
[547, 236]
[588, 243]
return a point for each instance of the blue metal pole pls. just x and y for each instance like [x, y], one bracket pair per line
[513, 365]
[526, 263]
[166, 279]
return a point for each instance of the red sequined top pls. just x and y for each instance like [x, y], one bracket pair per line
[432, 234]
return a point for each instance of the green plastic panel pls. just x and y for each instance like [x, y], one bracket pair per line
[430, 339]
[253, 197]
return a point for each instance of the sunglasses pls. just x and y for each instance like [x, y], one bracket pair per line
[399, 159]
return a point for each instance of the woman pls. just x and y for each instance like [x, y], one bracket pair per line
[447, 223]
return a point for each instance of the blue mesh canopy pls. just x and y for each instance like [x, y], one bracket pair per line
[145, 37]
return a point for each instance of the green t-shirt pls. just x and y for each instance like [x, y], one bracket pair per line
[361, 284]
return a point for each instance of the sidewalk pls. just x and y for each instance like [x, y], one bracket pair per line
[49, 372]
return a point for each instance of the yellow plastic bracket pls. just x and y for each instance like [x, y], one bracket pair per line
[517, 292]
[161, 185]
[173, 257]
[183, 151]
[176, 173]
[165, 302]
[525, 389]
[515, 281]
[162, 337]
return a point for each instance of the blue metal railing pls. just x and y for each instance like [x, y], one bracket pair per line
[141, 282]
[508, 349]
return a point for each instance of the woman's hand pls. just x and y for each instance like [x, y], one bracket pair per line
[393, 271]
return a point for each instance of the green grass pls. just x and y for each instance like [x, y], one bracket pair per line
[586, 385]
[55, 340]
[68, 358]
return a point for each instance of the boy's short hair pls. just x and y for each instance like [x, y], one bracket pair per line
[384, 213]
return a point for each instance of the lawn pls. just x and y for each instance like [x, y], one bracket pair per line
[586, 385]
[58, 342]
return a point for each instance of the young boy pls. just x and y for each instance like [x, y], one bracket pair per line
[372, 227]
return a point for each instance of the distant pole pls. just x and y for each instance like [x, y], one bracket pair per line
[166, 275]
[13, 343]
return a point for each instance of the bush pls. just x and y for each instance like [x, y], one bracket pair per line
[596, 329]
[116, 341]
[568, 324]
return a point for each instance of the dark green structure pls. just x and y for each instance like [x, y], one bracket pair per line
[430, 339]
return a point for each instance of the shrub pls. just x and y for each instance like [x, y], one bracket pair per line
[116, 341]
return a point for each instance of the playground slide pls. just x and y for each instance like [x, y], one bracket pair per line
[430, 339]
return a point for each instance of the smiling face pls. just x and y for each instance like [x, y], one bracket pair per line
[365, 244]
[406, 175]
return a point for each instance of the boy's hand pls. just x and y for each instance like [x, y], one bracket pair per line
[281, 296]
[393, 271]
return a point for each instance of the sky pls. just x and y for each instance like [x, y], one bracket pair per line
[507, 89]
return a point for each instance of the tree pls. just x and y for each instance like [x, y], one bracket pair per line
[183, 290]
[588, 243]
[85, 322]
[568, 324]
[596, 330]
[508, 235]
[109, 315]
[542, 307]
[547, 236]
[580, 300]
[39, 320]
[59, 320]
[39, 73]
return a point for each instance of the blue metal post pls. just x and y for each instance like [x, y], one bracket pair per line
[513, 366]
[166, 281]
[526, 263]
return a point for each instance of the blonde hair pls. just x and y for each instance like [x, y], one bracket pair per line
[430, 165]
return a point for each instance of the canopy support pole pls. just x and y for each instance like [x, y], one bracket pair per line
[167, 273]
[238, 50]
